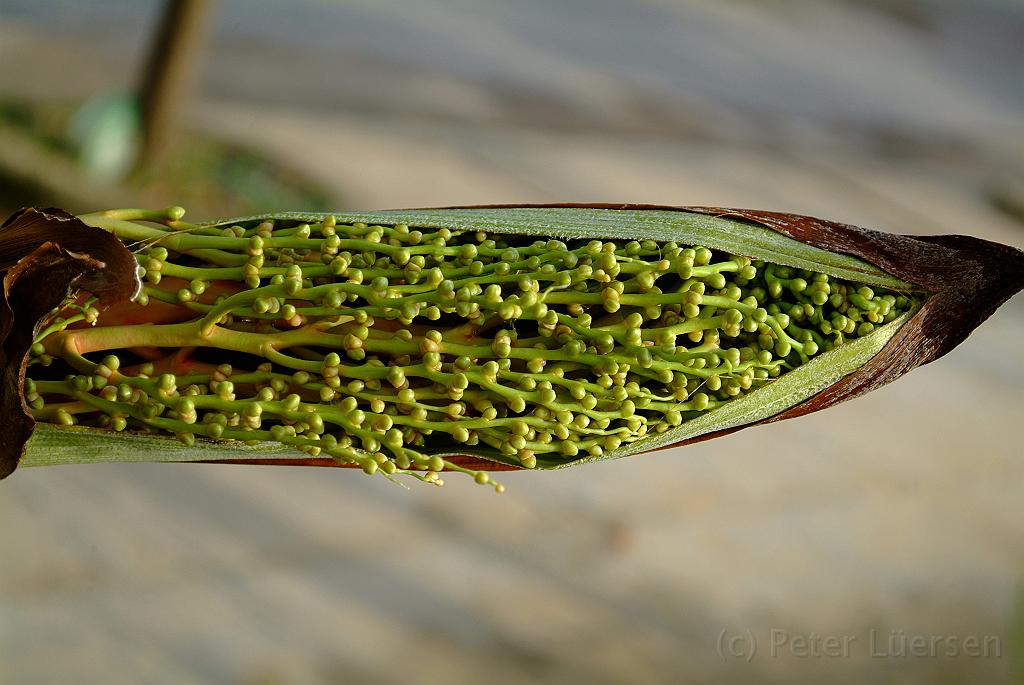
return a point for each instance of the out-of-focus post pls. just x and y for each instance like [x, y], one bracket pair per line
[168, 71]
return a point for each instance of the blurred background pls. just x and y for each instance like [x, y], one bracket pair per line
[899, 513]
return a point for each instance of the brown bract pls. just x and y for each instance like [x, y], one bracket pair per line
[46, 256]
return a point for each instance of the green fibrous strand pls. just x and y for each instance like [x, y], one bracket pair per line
[394, 341]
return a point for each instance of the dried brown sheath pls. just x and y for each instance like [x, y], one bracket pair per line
[46, 256]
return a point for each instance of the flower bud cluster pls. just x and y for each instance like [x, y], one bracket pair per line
[390, 346]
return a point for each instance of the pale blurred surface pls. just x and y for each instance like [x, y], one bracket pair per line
[900, 511]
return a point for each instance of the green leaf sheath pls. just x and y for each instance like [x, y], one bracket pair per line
[394, 341]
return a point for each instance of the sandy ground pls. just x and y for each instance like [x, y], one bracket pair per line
[898, 514]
